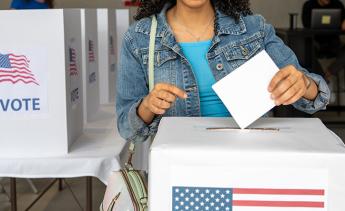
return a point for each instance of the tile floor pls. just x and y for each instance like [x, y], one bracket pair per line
[53, 200]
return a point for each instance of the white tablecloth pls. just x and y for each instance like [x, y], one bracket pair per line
[96, 153]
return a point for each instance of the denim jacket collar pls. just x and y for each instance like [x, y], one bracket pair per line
[225, 25]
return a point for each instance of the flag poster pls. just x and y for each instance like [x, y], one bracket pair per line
[74, 73]
[23, 83]
[91, 51]
[250, 190]
[92, 66]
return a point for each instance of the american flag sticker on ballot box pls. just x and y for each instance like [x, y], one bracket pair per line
[253, 189]
[243, 199]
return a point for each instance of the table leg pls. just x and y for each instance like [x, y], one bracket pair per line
[13, 189]
[45, 190]
[88, 193]
[60, 184]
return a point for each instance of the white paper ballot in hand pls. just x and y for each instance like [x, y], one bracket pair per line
[245, 93]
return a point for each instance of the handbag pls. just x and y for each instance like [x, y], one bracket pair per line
[127, 189]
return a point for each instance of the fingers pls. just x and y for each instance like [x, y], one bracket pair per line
[287, 86]
[282, 74]
[161, 104]
[283, 86]
[162, 97]
[172, 89]
[157, 105]
[290, 93]
[295, 98]
[156, 110]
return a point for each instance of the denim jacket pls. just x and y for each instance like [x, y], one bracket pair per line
[234, 43]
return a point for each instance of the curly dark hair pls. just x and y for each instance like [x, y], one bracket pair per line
[232, 8]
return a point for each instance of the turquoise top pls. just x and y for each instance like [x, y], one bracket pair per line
[210, 104]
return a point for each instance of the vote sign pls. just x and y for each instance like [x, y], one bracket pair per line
[22, 83]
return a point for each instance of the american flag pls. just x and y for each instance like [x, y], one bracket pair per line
[15, 68]
[73, 69]
[241, 199]
[92, 57]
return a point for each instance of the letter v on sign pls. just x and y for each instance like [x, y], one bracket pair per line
[4, 105]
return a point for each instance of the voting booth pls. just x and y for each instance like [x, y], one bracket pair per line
[278, 164]
[107, 54]
[40, 82]
[122, 24]
[90, 63]
[112, 24]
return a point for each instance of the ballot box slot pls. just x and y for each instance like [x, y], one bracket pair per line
[239, 129]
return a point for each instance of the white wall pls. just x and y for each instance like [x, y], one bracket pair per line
[275, 11]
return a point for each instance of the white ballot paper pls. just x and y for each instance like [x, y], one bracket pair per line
[245, 93]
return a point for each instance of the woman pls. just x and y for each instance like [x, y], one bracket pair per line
[198, 42]
[32, 4]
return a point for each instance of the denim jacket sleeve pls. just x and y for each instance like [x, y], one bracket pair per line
[284, 56]
[132, 87]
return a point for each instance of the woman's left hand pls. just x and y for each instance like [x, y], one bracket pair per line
[288, 86]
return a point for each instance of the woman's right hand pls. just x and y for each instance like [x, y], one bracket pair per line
[159, 100]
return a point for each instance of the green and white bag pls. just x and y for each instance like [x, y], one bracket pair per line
[127, 189]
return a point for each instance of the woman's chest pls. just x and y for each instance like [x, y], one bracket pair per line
[226, 54]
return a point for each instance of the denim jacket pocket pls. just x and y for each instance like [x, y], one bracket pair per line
[238, 52]
[164, 65]
[161, 56]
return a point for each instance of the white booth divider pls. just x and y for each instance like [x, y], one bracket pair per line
[107, 48]
[40, 82]
[111, 26]
[122, 24]
[90, 64]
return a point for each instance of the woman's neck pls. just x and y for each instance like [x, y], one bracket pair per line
[193, 17]
[191, 24]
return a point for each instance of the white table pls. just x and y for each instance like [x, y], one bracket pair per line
[95, 154]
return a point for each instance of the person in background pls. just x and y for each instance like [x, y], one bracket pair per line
[198, 42]
[328, 45]
[32, 4]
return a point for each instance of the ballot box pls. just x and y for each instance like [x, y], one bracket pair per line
[277, 164]
[90, 74]
[40, 82]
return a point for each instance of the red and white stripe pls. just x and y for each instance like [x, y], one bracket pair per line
[20, 71]
[246, 199]
[19, 62]
[91, 52]
[73, 65]
[91, 56]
